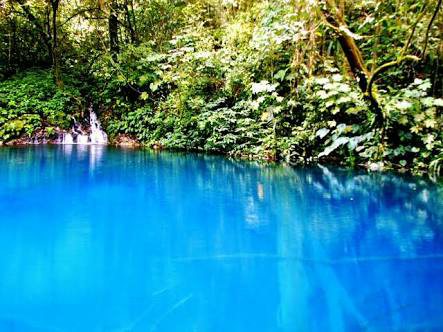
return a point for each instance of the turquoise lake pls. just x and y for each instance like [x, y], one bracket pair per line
[103, 239]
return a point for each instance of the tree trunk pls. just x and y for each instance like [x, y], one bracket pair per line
[10, 50]
[354, 57]
[134, 19]
[113, 29]
[350, 48]
[129, 23]
[55, 51]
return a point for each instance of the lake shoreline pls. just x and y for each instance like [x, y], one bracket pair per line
[132, 144]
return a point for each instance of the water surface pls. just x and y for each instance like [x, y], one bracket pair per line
[100, 239]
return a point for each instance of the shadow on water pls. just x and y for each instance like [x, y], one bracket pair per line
[101, 239]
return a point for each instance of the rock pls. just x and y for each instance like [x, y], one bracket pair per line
[376, 167]
[126, 141]
[39, 137]
[157, 146]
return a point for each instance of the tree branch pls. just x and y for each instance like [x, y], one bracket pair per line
[348, 44]
[79, 12]
[428, 30]
[403, 57]
[386, 67]
[414, 27]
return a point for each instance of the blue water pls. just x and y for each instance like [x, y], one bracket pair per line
[101, 239]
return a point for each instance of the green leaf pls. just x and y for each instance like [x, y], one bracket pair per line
[154, 86]
[263, 86]
[281, 74]
[337, 143]
[144, 96]
[403, 105]
[430, 123]
[322, 81]
[322, 132]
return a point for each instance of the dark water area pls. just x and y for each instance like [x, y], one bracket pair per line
[101, 239]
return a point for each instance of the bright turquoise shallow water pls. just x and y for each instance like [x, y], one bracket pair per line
[96, 239]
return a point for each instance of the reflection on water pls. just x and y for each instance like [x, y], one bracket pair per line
[99, 239]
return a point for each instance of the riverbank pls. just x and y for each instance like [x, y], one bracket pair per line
[126, 142]
[261, 80]
[261, 126]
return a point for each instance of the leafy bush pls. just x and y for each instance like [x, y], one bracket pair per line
[415, 126]
[31, 101]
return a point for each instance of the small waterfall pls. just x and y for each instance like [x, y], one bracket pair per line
[82, 139]
[98, 136]
[67, 138]
[79, 136]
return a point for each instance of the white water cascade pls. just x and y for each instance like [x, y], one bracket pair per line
[98, 136]
[82, 139]
[79, 136]
[67, 138]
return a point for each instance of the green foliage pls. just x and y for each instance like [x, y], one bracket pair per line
[414, 126]
[31, 101]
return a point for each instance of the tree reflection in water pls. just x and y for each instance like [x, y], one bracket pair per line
[109, 239]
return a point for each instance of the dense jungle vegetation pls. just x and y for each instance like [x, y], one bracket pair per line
[354, 82]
